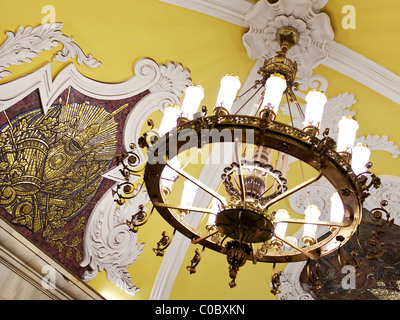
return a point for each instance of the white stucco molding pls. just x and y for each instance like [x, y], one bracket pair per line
[232, 11]
[27, 42]
[363, 70]
[108, 243]
[264, 21]
[147, 74]
[28, 263]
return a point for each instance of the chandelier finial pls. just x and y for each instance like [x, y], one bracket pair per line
[287, 38]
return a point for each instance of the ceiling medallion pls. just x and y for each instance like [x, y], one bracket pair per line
[248, 217]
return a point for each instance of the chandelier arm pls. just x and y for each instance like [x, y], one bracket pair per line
[266, 191]
[197, 182]
[298, 248]
[318, 223]
[179, 207]
[293, 190]
[195, 241]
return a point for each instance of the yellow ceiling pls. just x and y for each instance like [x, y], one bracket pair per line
[120, 32]
[376, 31]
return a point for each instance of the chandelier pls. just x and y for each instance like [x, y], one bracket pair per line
[246, 217]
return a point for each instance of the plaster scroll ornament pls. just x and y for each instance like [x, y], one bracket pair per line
[174, 79]
[109, 244]
[313, 26]
[291, 288]
[27, 42]
[389, 191]
[380, 143]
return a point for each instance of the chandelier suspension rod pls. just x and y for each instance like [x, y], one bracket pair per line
[291, 119]
[241, 179]
[293, 97]
[248, 100]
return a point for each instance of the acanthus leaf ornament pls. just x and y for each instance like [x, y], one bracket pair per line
[27, 42]
[109, 245]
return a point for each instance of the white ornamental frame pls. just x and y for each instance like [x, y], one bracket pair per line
[108, 243]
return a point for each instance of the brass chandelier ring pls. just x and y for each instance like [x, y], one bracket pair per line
[317, 153]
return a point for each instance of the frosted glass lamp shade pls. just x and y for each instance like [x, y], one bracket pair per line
[274, 88]
[191, 103]
[347, 134]
[280, 228]
[360, 158]
[169, 120]
[312, 214]
[316, 101]
[168, 176]
[230, 85]
[337, 209]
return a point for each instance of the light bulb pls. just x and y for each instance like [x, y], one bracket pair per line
[168, 122]
[360, 158]
[347, 134]
[274, 88]
[312, 214]
[191, 103]
[168, 176]
[316, 101]
[337, 209]
[280, 228]
[230, 85]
